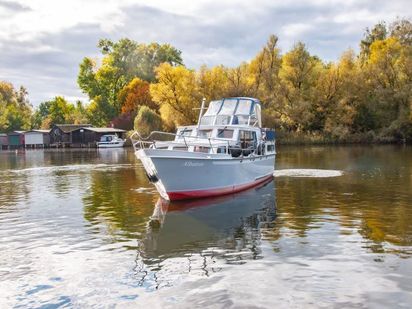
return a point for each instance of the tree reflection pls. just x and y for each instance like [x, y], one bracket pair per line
[373, 197]
[114, 200]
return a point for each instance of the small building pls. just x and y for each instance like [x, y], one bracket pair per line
[61, 134]
[37, 138]
[15, 139]
[4, 141]
[88, 136]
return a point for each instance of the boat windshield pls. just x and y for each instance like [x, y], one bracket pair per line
[229, 106]
[241, 111]
[244, 107]
[213, 108]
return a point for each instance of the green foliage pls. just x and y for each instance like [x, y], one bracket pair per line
[122, 62]
[146, 121]
[15, 109]
[59, 111]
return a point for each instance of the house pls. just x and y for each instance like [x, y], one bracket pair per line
[4, 142]
[89, 135]
[61, 134]
[37, 138]
[15, 139]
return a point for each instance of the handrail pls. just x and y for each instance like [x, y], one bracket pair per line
[144, 141]
[148, 139]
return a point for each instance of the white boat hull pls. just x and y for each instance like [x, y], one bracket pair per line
[110, 144]
[185, 175]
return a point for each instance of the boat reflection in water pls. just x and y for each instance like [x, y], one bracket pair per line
[200, 237]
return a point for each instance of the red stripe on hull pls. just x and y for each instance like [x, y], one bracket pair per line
[184, 195]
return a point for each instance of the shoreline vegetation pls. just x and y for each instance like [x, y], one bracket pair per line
[363, 97]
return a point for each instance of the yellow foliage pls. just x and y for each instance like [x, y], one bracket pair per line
[177, 88]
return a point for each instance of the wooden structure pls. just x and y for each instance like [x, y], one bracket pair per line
[4, 141]
[37, 138]
[15, 139]
[88, 136]
[61, 134]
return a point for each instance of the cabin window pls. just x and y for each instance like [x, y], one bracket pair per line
[186, 132]
[271, 148]
[228, 107]
[221, 149]
[181, 148]
[224, 133]
[247, 139]
[201, 149]
[205, 133]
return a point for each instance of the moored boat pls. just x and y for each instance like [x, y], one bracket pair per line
[110, 141]
[227, 151]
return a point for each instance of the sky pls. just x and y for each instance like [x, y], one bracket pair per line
[42, 42]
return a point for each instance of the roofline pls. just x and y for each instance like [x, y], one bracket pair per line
[244, 98]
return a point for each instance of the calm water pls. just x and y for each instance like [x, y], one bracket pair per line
[86, 229]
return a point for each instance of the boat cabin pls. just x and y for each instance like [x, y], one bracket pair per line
[109, 138]
[229, 126]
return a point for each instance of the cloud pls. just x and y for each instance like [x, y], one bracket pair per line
[43, 42]
[13, 6]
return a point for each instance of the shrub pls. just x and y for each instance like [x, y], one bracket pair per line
[146, 121]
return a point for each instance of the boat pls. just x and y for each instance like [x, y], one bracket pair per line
[226, 152]
[110, 141]
[216, 222]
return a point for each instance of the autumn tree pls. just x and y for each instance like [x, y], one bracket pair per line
[122, 61]
[378, 32]
[15, 109]
[298, 74]
[264, 76]
[176, 93]
[135, 94]
[147, 120]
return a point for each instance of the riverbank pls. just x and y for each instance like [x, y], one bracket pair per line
[297, 138]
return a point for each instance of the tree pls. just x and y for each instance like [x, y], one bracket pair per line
[298, 74]
[59, 111]
[122, 61]
[378, 32]
[15, 109]
[176, 93]
[213, 82]
[264, 75]
[146, 121]
[402, 30]
[135, 94]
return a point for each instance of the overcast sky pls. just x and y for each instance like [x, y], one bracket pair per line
[42, 42]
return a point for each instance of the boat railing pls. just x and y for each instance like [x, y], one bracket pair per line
[140, 142]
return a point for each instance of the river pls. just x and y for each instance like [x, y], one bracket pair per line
[84, 228]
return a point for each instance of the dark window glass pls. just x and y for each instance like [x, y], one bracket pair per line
[201, 149]
[180, 148]
[247, 139]
[225, 133]
[205, 133]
